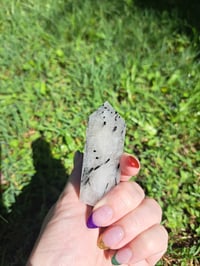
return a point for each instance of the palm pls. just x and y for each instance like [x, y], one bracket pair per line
[68, 234]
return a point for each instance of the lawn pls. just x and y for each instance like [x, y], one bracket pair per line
[59, 61]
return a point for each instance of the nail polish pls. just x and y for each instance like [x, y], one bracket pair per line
[114, 261]
[90, 222]
[101, 244]
[111, 237]
[122, 256]
[100, 217]
[133, 162]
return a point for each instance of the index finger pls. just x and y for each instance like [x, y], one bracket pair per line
[130, 166]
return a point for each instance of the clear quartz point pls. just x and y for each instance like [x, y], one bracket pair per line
[101, 161]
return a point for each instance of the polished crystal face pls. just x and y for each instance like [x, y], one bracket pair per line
[103, 149]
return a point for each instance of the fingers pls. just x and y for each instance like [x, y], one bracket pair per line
[149, 246]
[76, 172]
[156, 257]
[147, 214]
[132, 225]
[130, 166]
[121, 200]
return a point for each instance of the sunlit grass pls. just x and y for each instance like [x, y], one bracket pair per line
[59, 61]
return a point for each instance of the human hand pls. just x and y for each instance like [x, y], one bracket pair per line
[124, 226]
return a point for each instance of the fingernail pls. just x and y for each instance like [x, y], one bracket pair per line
[90, 222]
[114, 261]
[101, 244]
[133, 162]
[110, 238]
[100, 217]
[122, 256]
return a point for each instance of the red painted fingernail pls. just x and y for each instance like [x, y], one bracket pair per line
[133, 162]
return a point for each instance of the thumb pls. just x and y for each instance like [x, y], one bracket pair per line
[73, 184]
[75, 176]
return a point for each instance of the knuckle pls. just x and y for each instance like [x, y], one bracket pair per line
[130, 194]
[157, 243]
[150, 246]
[165, 237]
[138, 190]
[125, 194]
[155, 206]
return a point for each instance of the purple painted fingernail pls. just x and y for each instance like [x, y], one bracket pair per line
[100, 217]
[90, 222]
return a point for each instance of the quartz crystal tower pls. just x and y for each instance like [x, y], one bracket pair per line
[103, 149]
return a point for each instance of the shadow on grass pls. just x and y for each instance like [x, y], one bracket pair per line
[19, 233]
[187, 10]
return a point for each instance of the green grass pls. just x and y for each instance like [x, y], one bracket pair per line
[60, 60]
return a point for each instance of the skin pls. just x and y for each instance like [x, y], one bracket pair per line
[66, 240]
